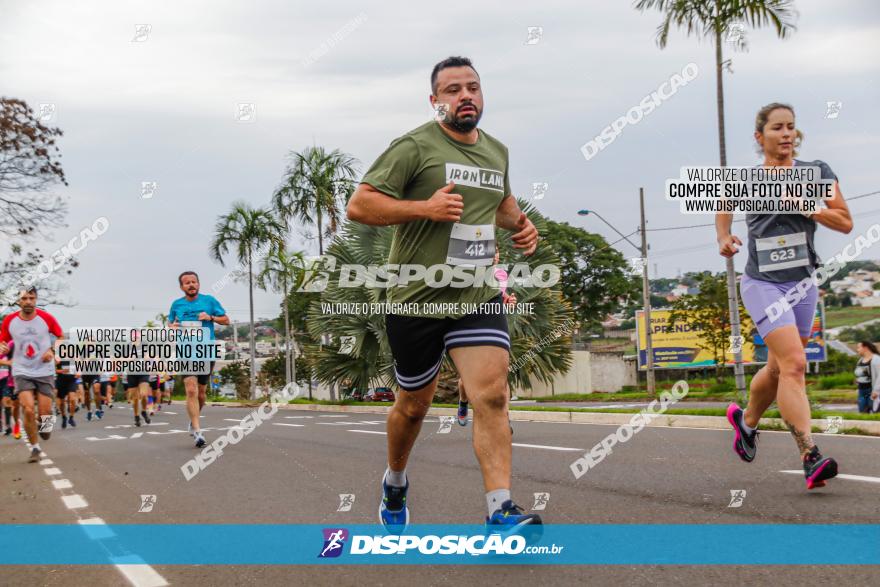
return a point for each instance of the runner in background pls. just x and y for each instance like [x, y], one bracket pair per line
[10, 397]
[168, 388]
[195, 310]
[80, 392]
[108, 387]
[152, 400]
[34, 333]
[867, 376]
[92, 385]
[137, 389]
[66, 388]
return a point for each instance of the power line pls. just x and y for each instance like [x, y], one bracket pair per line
[743, 219]
[688, 226]
[609, 245]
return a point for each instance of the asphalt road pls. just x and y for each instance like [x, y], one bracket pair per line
[293, 468]
[850, 407]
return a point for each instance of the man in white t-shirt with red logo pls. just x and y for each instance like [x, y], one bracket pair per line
[33, 363]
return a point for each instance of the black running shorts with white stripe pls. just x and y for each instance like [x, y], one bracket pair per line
[418, 344]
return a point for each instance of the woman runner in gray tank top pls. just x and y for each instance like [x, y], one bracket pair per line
[781, 254]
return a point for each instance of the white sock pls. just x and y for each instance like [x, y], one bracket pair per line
[395, 478]
[495, 498]
[36, 446]
[746, 427]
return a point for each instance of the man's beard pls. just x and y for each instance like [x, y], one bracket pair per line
[465, 125]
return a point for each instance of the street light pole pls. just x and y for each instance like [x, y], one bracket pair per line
[599, 216]
[646, 298]
[646, 286]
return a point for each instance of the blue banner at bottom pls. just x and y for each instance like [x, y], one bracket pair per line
[309, 544]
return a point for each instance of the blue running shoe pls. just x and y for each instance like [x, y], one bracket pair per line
[511, 519]
[89, 416]
[99, 414]
[393, 511]
[462, 413]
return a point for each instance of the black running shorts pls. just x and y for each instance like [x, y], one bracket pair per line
[65, 384]
[135, 380]
[202, 379]
[417, 344]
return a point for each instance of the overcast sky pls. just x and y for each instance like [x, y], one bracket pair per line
[160, 105]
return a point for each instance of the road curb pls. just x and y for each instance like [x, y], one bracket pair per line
[606, 418]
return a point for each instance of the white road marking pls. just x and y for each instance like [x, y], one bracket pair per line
[231, 420]
[369, 432]
[74, 502]
[844, 476]
[141, 575]
[365, 422]
[133, 426]
[559, 448]
[52, 471]
[132, 567]
[297, 417]
[333, 416]
[286, 424]
[164, 412]
[62, 484]
[136, 435]
[97, 529]
[45, 462]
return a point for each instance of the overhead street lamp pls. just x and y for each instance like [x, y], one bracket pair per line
[646, 289]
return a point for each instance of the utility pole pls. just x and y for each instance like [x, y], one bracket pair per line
[646, 298]
[735, 330]
[234, 341]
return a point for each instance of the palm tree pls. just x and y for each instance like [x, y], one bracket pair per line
[162, 318]
[282, 271]
[371, 358]
[316, 184]
[713, 19]
[243, 231]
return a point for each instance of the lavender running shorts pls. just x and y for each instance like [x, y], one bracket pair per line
[758, 295]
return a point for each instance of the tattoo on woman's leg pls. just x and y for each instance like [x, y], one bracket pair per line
[803, 438]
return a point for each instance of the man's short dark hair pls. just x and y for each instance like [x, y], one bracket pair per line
[449, 62]
[184, 274]
[28, 290]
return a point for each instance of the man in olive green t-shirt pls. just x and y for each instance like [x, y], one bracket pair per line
[445, 187]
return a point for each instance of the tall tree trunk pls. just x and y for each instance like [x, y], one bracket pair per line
[320, 235]
[253, 343]
[287, 360]
[732, 301]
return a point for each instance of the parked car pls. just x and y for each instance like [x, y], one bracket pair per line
[380, 394]
[355, 395]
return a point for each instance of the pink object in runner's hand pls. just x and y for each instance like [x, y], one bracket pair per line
[501, 278]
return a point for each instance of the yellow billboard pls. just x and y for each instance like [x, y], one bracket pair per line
[678, 346]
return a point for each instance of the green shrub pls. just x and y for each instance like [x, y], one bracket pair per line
[725, 386]
[840, 380]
